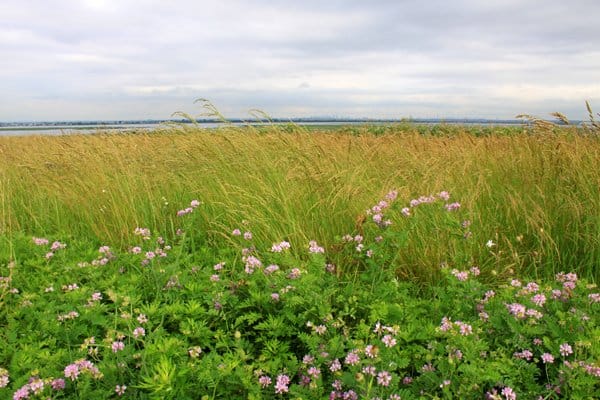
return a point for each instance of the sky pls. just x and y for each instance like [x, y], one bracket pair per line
[123, 59]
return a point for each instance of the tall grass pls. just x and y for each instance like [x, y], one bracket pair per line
[536, 196]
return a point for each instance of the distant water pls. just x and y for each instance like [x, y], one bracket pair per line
[26, 129]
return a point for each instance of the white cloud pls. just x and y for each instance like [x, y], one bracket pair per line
[105, 59]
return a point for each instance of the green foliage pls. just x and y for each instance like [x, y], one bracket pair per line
[183, 319]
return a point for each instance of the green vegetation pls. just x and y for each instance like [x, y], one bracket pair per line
[275, 262]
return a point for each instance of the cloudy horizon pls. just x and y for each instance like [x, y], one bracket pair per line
[110, 59]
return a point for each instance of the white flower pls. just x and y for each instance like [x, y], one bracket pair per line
[490, 244]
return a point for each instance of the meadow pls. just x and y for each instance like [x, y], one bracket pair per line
[400, 261]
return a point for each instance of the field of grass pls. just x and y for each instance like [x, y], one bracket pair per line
[251, 262]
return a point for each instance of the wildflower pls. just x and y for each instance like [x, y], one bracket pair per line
[142, 319]
[489, 244]
[565, 349]
[282, 384]
[320, 329]
[352, 358]
[314, 248]
[308, 359]
[446, 324]
[49, 255]
[460, 275]
[405, 211]
[57, 246]
[335, 366]
[143, 232]
[264, 381]
[58, 384]
[251, 263]
[350, 395]
[195, 352]
[389, 341]
[117, 346]
[569, 285]
[394, 397]
[407, 380]
[515, 283]
[508, 393]
[194, 203]
[248, 235]
[547, 358]
[40, 241]
[22, 393]
[464, 329]
[139, 332]
[539, 299]
[475, 271]
[369, 370]
[294, 273]
[136, 250]
[120, 390]
[236, 232]
[525, 355]
[281, 246]
[214, 278]
[275, 297]
[444, 195]
[72, 371]
[594, 297]
[517, 310]
[371, 351]
[445, 383]
[314, 372]
[3, 378]
[452, 206]
[384, 378]
[428, 368]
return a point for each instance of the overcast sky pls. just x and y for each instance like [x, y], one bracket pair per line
[125, 59]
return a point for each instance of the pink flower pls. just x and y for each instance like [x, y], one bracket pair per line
[352, 358]
[547, 358]
[120, 390]
[384, 378]
[315, 248]
[565, 349]
[142, 319]
[508, 393]
[275, 297]
[194, 203]
[117, 346]
[236, 232]
[139, 332]
[335, 365]
[282, 384]
[58, 384]
[539, 299]
[389, 341]
[264, 381]
[405, 211]
[40, 241]
[248, 235]
[444, 195]
[452, 206]
[72, 371]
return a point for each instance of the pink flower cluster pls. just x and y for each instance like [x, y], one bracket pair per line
[279, 247]
[72, 371]
[3, 378]
[448, 326]
[377, 210]
[53, 248]
[314, 248]
[193, 205]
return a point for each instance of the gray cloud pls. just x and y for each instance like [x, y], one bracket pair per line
[105, 59]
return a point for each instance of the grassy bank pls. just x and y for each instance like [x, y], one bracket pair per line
[536, 196]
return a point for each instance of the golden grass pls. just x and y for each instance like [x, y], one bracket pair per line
[299, 185]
